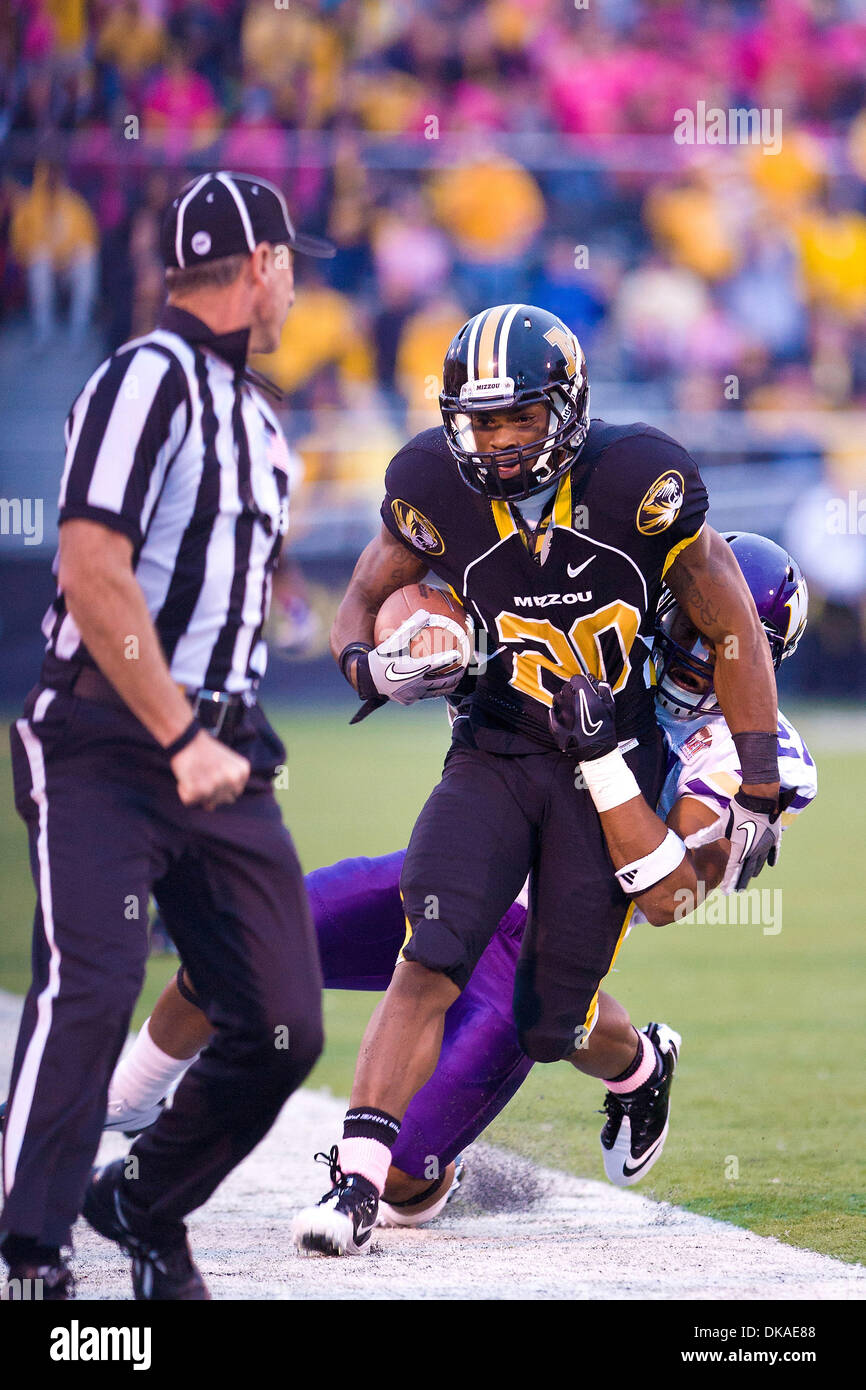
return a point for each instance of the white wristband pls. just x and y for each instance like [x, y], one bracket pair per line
[609, 781]
[643, 873]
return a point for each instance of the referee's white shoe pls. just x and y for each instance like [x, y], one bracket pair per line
[636, 1127]
[118, 1116]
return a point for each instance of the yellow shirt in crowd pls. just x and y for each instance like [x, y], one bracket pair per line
[321, 331]
[493, 208]
[56, 224]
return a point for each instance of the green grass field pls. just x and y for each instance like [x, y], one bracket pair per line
[768, 1128]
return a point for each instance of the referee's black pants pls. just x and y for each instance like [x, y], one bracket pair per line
[106, 824]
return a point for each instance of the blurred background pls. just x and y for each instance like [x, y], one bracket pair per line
[460, 153]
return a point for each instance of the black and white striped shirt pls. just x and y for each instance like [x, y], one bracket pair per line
[172, 445]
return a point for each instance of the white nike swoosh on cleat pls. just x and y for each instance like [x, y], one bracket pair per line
[645, 1158]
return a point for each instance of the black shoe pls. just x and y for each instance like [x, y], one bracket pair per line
[343, 1221]
[636, 1128]
[35, 1283]
[161, 1269]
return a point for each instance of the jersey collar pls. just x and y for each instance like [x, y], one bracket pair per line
[231, 347]
[508, 519]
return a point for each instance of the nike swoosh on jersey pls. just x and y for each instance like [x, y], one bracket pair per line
[574, 570]
[589, 728]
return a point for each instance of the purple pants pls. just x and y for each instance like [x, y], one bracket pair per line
[358, 916]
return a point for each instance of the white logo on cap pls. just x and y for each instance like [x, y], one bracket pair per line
[201, 243]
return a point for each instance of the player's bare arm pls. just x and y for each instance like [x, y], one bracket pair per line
[383, 668]
[708, 584]
[109, 608]
[384, 566]
[633, 832]
[649, 855]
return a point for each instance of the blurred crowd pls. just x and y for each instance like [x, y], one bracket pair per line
[461, 153]
[731, 261]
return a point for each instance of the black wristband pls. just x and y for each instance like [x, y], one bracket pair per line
[760, 805]
[759, 757]
[189, 733]
[352, 649]
[364, 683]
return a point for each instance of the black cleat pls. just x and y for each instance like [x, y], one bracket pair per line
[343, 1221]
[636, 1128]
[35, 1283]
[162, 1270]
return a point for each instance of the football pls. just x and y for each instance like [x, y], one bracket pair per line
[404, 602]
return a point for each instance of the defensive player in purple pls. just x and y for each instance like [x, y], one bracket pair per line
[360, 925]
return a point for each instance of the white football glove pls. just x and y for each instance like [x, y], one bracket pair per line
[404, 678]
[755, 838]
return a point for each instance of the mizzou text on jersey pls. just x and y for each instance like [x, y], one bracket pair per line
[579, 595]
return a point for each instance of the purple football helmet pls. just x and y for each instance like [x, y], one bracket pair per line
[684, 660]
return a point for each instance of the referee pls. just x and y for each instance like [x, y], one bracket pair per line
[142, 761]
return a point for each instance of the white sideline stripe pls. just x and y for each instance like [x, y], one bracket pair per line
[576, 1239]
[19, 1111]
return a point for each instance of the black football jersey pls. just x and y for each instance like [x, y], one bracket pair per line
[578, 594]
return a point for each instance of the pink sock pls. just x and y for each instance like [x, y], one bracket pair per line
[646, 1067]
[368, 1157]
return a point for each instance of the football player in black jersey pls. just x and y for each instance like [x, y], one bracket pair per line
[555, 533]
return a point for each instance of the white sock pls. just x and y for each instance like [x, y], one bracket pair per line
[368, 1157]
[143, 1076]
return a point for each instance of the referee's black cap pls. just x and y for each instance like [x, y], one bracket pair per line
[223, 214]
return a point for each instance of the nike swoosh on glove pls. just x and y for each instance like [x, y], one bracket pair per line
[583, 718]
[389, 672]
[755, 833]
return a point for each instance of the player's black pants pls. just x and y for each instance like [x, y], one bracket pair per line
[492, 820]
[105, 824]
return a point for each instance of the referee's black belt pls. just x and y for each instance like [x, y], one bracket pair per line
[218, 711]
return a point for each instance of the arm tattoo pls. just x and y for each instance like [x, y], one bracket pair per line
[701, 588]
[700, 605]
[395, 568]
